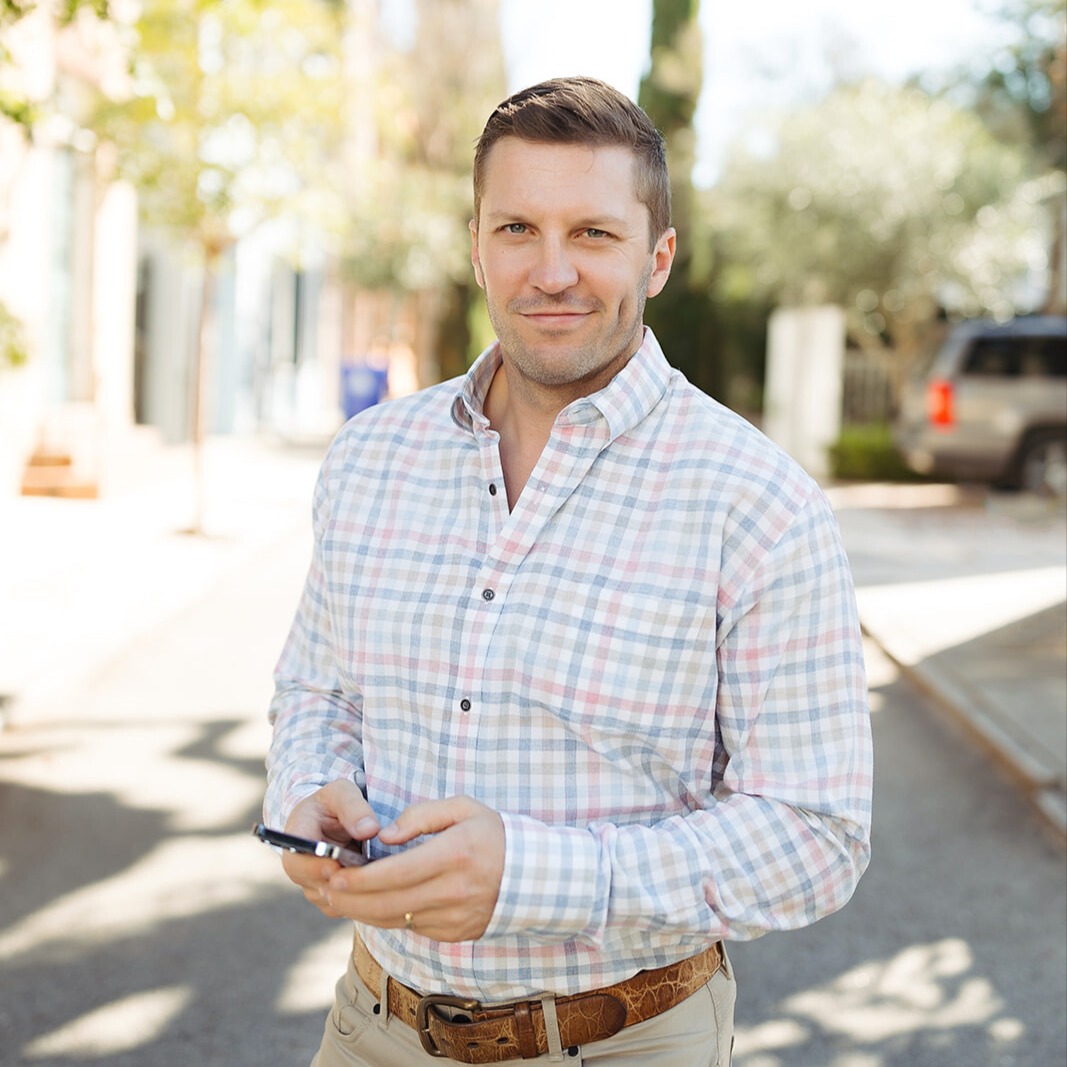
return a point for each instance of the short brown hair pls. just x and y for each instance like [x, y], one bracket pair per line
[584, 111]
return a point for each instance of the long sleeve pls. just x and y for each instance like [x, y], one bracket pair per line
[317, 724]
[783, 835]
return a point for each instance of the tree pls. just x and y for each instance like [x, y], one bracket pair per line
[409, 209]
[891, 203]
[25, 112]
[1022, 96]
[234, 117]
[16, 106]
[13, 350]
[683, 315]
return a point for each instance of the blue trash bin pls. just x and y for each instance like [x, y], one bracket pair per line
[362, 387]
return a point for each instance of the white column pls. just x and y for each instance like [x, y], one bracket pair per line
[802, 394]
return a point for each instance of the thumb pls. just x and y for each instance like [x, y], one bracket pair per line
[338, 810]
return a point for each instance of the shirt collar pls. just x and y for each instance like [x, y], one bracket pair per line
[622, 403]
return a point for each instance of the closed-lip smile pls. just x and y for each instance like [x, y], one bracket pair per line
[555, 318]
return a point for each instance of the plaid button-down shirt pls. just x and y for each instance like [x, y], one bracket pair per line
[652, 668]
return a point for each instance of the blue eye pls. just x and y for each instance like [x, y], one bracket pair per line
[516, 227]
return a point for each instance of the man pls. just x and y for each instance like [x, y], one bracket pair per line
[577, 659]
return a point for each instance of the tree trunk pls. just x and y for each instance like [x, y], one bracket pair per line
[201, 384]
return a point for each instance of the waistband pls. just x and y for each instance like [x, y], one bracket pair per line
[475, 1033]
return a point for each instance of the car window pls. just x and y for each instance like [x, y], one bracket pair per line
[1015, 357]
[994, 357]
[1045, 357]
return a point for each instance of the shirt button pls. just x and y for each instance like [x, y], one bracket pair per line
[488, 594]
[492, 489]
[464, 705]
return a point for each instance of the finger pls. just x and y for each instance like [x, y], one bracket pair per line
[457, 831]
[324, 904]
[338, 812]
[465, 858]
[429, 817]
[308, 872]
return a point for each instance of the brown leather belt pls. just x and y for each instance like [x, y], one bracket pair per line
[500, 1032]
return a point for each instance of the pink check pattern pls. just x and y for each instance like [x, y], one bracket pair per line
[652, 668]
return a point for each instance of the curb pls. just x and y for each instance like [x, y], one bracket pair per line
[1043, 787]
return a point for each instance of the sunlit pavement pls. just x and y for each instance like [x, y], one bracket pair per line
[80, 579]
[967, 592]
[953, 952]
[140, 923]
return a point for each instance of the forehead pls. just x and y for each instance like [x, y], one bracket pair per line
[523, 174]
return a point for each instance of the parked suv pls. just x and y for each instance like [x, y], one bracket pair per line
[992, 406]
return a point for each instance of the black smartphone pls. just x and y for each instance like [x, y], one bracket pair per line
[347, 857]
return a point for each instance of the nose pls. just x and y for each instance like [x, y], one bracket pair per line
[553, 270]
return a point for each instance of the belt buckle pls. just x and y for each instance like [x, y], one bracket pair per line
[422, 1017]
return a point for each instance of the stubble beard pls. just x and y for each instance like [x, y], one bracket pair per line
[581, 363]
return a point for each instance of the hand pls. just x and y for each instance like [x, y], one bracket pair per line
[337, 812]
[449, 884]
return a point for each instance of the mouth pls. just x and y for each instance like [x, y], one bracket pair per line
[555, 320]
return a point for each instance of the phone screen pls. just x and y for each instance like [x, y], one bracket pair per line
[347, 857]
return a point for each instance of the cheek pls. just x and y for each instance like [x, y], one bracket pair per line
[624, 278]
[501, 273]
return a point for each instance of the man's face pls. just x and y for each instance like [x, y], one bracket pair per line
[561, 248]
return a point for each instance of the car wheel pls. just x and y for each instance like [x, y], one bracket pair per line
[1043, 464]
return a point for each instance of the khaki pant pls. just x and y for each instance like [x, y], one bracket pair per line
[698, 1032]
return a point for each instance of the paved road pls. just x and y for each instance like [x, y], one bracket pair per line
[953, 953]
[966, 591]
[142, 926]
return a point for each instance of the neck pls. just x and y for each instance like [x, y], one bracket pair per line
[523, 418]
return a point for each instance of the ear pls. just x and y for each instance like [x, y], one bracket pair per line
[479, 277]
[662, 258]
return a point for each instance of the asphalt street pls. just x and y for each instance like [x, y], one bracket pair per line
[953, 951]
[142, 926]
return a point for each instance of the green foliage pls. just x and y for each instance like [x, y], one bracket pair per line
[15, 106]
[1022, 93]
[408, 207]
[867, 453]
[65, 10]
[13, 349]
[407, 228]
[68, 9]
[683, 316]
[236, 113]
[882, 200]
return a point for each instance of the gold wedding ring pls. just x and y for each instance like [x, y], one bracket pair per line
[409, 920]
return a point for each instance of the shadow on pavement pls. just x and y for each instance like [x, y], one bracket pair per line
[127, 941]
[942, 957]
[141, 924]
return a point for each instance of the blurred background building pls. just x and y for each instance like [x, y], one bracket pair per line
[239, 217]
[68, 249]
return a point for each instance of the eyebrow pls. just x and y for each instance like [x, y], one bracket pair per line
[590, 222]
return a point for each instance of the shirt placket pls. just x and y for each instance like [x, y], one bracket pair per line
[565, 461]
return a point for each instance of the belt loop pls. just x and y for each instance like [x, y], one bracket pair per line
[555, 1044]
[383, 1001]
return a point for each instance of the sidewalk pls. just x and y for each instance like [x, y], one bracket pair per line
[969, 598]
[81, 579]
